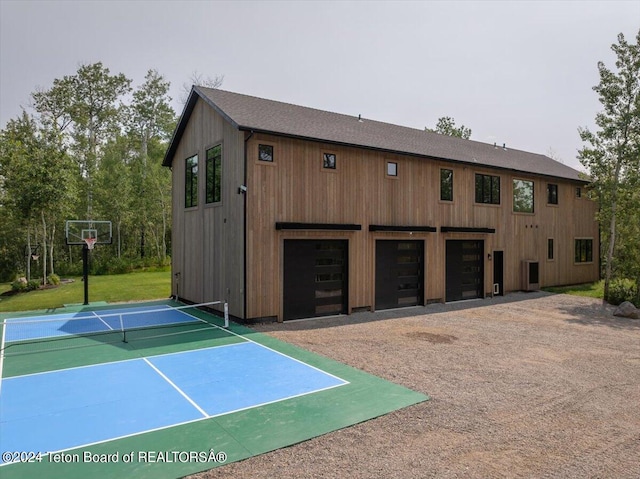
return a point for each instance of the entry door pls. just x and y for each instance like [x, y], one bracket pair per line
[464, 269]
[315, 278]
[498, 273]
[399, 277]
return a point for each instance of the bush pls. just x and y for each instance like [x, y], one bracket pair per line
[53, 279]
[19, 284]
[22, 285]
[621, 290]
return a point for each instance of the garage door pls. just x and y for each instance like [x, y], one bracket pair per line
[464, 270]
[399, 273]
[315, 278]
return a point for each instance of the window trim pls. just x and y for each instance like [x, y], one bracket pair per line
[557, 196]
[553, 249]
[333, 168]
[575, 250]
[206, 173]
[273, 153]
[475, 189]
[533, 197]
[190, 193]
[448, 201]
[387, 174]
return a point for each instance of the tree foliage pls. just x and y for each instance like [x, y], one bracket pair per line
[612, 156]
[447, 126]
[93, 149]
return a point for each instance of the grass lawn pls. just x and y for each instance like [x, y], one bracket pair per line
[111, 288]
[592, 290]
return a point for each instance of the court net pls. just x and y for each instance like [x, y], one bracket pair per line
[89, 328]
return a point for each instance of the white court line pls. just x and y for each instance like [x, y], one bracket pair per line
[105, 323]
[4, 329]
[266, 347]
[244, 338]
[205, 415]
[169, 426]
[182, 393]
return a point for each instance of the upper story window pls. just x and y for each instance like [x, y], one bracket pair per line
[265, 153]
[214, 174]
[578, 192]
[522, 196]
[392, 168]
[552, 194]
[329, 161]
[446, 185]
[487, 189]
[191, 182]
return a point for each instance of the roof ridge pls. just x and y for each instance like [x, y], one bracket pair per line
[380, 122]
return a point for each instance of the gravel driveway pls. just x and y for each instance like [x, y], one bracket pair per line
[529, 385]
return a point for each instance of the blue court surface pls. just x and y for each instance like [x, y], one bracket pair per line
[63, 409]
[88, 322]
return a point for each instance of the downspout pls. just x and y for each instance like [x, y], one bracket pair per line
[244, 226]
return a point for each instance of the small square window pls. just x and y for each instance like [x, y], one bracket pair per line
[392, 168]
[265, 153]
[329, 161]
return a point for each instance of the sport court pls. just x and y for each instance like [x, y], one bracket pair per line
[164, 377]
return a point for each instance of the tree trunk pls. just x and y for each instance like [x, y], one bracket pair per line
[44, 249]
[53, 235]
[28, 252]
[612, 227]
[119, 240]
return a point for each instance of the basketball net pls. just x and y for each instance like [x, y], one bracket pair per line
[90, 242]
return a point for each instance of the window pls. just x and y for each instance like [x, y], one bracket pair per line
[487, 189]
[578, 192]
[550, 251]
[522, 196]
[191, 182]
[446, 185]
[552, 194]
[265, 153]
[214, 174]
[329, 161]
[392, 168]
[584, 251]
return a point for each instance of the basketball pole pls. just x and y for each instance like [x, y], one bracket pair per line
[85, 272]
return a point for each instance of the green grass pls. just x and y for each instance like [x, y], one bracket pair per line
[592, 290]
[111, 288]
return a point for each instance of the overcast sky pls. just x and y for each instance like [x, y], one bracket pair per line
[519, 73]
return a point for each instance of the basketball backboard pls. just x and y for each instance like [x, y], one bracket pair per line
[81, 232]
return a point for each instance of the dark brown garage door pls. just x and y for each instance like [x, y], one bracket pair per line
[464, 269]
[315, 278]
[399, 277]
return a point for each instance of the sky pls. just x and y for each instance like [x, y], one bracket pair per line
[516, 72]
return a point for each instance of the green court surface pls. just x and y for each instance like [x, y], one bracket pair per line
[204, 444]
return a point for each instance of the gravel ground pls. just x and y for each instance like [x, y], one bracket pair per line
[529, 385]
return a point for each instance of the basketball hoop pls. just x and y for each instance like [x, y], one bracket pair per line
[35, 257]
[90, 242]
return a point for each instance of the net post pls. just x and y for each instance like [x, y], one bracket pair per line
[226, 315]
[124, 331]
[85, 273]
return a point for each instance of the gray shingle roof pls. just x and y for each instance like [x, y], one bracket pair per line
[261, 115]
